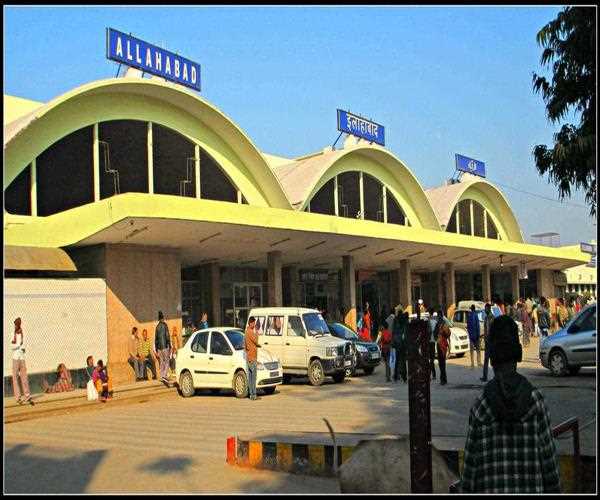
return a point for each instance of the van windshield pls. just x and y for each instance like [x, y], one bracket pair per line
[315, 324]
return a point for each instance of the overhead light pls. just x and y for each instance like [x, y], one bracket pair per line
[415, 254]
[384, 251]
[315, 245]
[357, 248]
[135, 232]
[279, 242]
[209, 237]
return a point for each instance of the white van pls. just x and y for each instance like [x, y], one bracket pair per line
[301, 340]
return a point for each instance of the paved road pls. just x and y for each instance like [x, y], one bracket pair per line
[174, 444]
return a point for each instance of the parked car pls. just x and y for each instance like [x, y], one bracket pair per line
[573, 346]
[300, 338]
[459, 340]
[214, 358]
[366, 354]
[464, 307]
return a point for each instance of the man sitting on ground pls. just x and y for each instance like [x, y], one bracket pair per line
[509, 447]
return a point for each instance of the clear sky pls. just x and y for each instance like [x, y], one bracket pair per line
[441, 80]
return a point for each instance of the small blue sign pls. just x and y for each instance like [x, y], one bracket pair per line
[465, 164]
[365, 129]
[149, 58]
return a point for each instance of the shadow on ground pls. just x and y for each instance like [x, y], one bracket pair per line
[25, 472]
[168, 465]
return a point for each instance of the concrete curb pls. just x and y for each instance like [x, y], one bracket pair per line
[308, 455]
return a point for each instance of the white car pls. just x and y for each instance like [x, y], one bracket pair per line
[214, 358]
[459, 339]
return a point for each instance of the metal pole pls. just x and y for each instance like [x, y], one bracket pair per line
[419, 406]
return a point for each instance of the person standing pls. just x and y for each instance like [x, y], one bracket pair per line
[432, 324]
[251, 346]
[509, 446]
[162, 345]
[525, 320]
[135, 360]
[442, 335]
[400, 345]
[543, 317]
[473, 330]
[19, 369]
[385, 341]
[203, 321]
[367, 323]
[488, 318]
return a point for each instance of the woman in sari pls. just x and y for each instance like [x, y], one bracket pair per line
[63, 381]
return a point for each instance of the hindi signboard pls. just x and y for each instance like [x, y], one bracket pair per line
[466, 164]
[360, 127]
[149, 58]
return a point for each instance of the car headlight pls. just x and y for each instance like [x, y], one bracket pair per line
[260, 366]
[361, 348]
[331, 352]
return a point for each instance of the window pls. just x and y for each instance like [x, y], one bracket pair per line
[395, 215]
[173, 164]
[373, 198]
[464, 216]
[214, 184]
[259, 326]
[218, 345]
[451, 227]
[492, 230]
[459, 317]
[315, 324]
[585, 322]
[17, 196]
[295, 327]
[236, 337]
[478, 219]
[349, 195]
[274, 324]
[200, 343]
[323, 202]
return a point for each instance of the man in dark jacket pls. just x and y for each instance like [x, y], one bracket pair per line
[162, 346]
[473, 331]
[399, 343]
[509, 446]
[488, 319]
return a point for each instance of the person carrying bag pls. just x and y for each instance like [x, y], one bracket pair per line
[443, 334]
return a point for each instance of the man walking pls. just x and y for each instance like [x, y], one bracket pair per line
[19, 370]
[432, 323]
[509, 446]
[442, 334]
[488, 318]
[251, 346]
[135, 359]
[162, 345]
[474, 332]
[543, 317]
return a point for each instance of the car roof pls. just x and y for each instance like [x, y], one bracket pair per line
[282, 310]
[221, 329]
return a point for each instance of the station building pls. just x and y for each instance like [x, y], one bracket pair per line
[148, 187]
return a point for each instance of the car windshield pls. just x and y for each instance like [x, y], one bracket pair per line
[315, 324]
[236, 337]
[342, 331]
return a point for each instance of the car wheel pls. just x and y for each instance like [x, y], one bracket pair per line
[316, 375]
[240, 384]
[339, 377]
[558, 363]
[369, 370]
[186, 384]
[269, 390]
[574, 370]
[287, 379]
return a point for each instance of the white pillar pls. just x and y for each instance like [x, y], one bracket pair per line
[361, 189]
[472, 219]
[450, 285]
[33, 188]
[96, 159]
[404, 283]
[274, 276]
[349, 290]
[485, 225]
[486, 283]
[335, 196]
[150, 160]
[197, 169]
[385, 214]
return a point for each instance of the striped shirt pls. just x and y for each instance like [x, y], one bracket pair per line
[144, 348]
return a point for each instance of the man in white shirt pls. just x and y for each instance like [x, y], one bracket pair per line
[19, 368]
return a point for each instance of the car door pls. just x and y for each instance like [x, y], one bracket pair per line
[220, 361]
[295, 351]
[198, 359]
[270, 337]
[581, 338]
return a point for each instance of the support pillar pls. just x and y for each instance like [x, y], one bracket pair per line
[440, 288]
[470, 286]
[294, 286]
[274, 276]
[486, 283]
[514, 283]
[215, 294]
[404, 284]
[349, 291]
[450, 286]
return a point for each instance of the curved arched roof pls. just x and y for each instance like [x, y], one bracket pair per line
[445, 198]
[148, 100]
[302, 179]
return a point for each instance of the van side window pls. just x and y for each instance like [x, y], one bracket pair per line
[274, 326]
[458, 317]
[259, 326]
[295, 327]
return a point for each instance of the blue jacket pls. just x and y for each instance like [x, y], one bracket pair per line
[473, 326]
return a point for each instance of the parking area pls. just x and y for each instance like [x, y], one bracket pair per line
[172, 443]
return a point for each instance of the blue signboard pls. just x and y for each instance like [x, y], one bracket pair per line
[149, 58]
[365, 129]
[470, 165]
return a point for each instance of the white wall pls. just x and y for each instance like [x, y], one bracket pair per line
[63, 321]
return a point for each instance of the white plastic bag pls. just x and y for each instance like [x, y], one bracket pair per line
[92, 393]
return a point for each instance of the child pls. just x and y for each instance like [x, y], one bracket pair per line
[101, 382]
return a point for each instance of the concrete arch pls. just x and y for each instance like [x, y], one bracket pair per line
[384, 166]
[153, 101]
[488, 195]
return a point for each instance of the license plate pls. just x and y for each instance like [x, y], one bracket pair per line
[375, 355]
[464, 346]
[274, 374]
[348, 363]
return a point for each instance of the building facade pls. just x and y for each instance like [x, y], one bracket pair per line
[149, 187]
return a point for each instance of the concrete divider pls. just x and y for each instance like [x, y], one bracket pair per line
[312, 454]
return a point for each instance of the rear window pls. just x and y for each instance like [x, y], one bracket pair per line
[236, 337]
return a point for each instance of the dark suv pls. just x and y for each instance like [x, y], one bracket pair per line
[366, 354]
